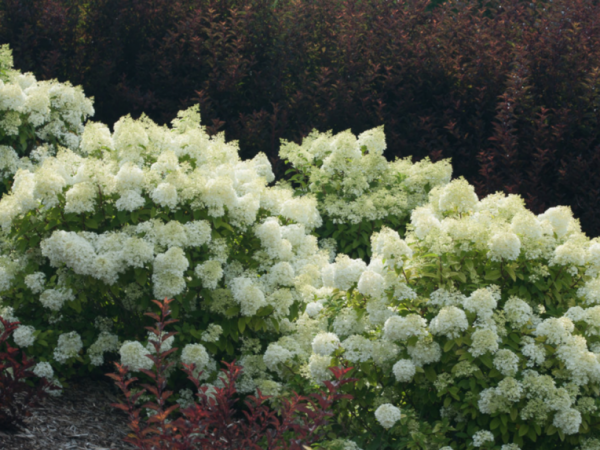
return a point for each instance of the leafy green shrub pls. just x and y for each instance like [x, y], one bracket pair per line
[357, 190]
[481, 329]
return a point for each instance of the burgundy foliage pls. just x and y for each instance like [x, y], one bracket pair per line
[508, 91]
[216, 421]
[16, 396]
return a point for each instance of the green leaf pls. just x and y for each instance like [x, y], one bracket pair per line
[430, 373]
[511, 272]
[242, 324]
[448, 345]
[91, 223]
[514, 413]
[493, 275]
[523, 430]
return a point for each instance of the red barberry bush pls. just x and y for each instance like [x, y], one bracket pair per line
[217, 421]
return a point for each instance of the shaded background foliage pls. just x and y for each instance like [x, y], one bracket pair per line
[507, 89]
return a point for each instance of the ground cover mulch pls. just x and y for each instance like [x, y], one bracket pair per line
[81, 418]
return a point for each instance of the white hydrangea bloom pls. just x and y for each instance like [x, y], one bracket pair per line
[450, 322]
[43, 370]
[504, 246]
[424, 352]
[106, 342]
[133, 355]
[398, 328]
[388, 246]
[371, 284]
[560, 218]
[481, 437]
[483, 340]
[482, 302]
[68, 346]
[249, 296]
[568, 421]
[23, 336]
[556, 330]
[459, 196]
[325, 343]
[210, 272]
[387, 415]
[347, 271]
[517, 312]
[357, 348]
[35, 282]
[313, 309]
[404, 370]
[195, 354]
[318, 366]
[276, 355]
[506, 362]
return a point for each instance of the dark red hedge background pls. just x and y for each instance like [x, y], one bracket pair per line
[508, 89]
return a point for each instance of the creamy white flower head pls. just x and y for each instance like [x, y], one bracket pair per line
[387, 415]
[482, 302]
[504, 246]
[387, 245]
[590, 291]
[374, 140]
[195, 354]
[560, 218]
[450, 322]
[35, 282]
[556, 330]
[527, 225]
[23, 336]
[318, 366]
[425, 351]
[210, 272]
[357, 348]
[347, 271]
[276, 355]
[133, 355]
[506, 362]
[459, 196]
[517, 311]
[43, 370]
[398, 328]
[404, 370]
[568, 421]
[325, 343]
[424, 221]
[68, 346]
[371, 284]
[481, 437]
[313, 309]
[249, 296]
[483, 340]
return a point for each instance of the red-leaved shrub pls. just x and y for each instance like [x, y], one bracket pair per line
[509, 89]
[216, 421]
[16, 395]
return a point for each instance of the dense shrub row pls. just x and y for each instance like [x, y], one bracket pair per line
[507, 89]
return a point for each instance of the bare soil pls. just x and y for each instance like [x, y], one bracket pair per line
[81, 418]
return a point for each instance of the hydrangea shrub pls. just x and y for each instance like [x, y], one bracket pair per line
[480, 329]
[357, 189]
[152, 212]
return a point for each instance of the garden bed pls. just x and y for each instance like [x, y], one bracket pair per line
[81, 418]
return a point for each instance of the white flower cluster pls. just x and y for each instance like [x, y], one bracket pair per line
[358, 181]
[69, 345]
[387, 415]
[56, 112]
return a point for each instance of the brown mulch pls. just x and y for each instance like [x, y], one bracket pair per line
[81, 418]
